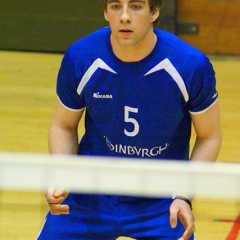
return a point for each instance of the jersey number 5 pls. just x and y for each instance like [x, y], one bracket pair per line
[127, 119]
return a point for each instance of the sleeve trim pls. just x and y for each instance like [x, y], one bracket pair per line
[205, 110]
[70, 109]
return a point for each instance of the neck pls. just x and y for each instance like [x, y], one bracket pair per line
[134, 53]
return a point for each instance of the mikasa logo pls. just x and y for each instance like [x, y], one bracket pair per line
[97, 95]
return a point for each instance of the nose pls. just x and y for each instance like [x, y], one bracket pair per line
[125, 15]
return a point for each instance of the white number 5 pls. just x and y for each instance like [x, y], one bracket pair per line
[131, 120]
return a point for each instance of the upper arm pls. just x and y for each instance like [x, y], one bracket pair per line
[207, 124]
[209, 136]
[66, 118]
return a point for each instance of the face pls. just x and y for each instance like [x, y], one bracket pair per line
[131, 22]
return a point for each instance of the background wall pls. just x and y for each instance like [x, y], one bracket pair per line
[51, 26]
[47, 25]
[219, 24]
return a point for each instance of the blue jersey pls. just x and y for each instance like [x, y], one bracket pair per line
[136, 109]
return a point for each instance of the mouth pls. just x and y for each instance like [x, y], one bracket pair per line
[125, 30]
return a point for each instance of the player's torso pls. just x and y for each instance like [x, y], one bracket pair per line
[135, 109]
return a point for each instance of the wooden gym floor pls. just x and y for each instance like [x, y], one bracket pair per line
[28, 100]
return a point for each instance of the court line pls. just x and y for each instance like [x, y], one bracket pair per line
[235, 229]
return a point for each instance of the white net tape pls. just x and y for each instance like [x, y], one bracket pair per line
[119, 175]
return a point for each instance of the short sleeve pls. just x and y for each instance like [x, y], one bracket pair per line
[67, 83]
[203, 93]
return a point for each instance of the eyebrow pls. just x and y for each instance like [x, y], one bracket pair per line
[140, 1]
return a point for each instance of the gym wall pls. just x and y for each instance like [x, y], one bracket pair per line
[218, 22]
[52, 25]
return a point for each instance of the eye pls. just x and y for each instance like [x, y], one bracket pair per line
[114, 6]
[136, 7]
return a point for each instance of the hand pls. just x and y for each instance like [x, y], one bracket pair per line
[180, 209]
[54, 198]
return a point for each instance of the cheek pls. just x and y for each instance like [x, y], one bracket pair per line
[111, 23]
[144, 22]
[111, 18]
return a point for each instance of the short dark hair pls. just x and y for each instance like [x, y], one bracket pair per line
[152, 3]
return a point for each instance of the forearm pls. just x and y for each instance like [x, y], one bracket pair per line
[62, 140]
[206, 150]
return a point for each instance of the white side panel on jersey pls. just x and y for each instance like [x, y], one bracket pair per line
[168, 67]
[98, 63]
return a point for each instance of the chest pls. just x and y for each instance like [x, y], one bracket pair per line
[156, 93]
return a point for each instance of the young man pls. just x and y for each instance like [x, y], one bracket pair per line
[141, 88]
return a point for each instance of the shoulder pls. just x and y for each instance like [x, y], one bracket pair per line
[177, 50]
[90, 45]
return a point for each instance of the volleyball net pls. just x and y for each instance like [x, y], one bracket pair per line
[34, 173]
[119, 176]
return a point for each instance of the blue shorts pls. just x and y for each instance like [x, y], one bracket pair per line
[105, 217]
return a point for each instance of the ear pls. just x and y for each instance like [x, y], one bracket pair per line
[106, 15]
[155, 13]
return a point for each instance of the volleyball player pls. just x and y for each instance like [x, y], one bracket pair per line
[141, 88]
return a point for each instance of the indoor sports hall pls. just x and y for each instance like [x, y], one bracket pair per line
[33, 39]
